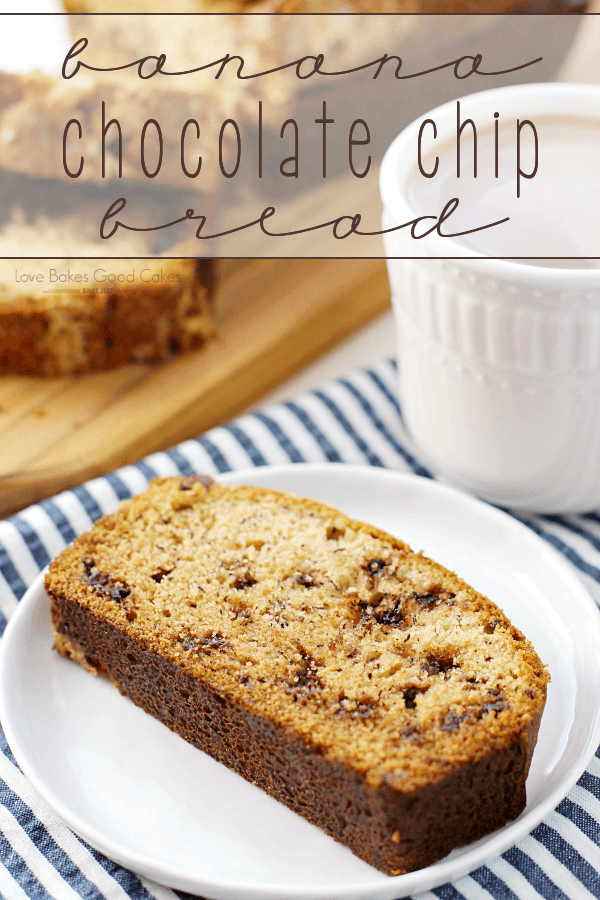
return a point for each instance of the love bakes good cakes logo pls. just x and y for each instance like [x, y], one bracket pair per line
[262, 135]
[102, 277]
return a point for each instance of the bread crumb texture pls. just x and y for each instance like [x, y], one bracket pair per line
[68, 331]
[370, 656]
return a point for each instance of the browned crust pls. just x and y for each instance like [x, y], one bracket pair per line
[424, 826]
[397, 823]
[135, 323]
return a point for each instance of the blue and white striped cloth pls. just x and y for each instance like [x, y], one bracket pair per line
[355, 420]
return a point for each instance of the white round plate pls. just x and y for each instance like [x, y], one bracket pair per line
[147, 799]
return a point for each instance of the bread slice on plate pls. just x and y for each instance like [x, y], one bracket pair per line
[363, 685]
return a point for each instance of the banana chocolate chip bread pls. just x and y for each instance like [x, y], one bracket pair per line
[363, 685]
[83, 312]
[157, 309]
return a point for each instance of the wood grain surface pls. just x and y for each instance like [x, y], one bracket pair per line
[273, 316]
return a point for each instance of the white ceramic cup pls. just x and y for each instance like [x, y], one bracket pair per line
[499, 361]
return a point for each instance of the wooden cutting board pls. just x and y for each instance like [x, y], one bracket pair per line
[273, 317]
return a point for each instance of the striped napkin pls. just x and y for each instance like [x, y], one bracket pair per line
[354, 420]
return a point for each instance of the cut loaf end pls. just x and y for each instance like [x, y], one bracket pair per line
[84, 312]
[150, 310]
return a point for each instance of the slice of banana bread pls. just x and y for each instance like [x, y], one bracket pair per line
[363, 685]
[83, 312]
[157, 308]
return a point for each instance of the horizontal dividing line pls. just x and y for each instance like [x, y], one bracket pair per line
[159, 258]
[453, 15]
[511, 259]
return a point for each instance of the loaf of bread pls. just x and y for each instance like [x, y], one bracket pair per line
[35, 108]
[349, 34]
[265, 34]
[83, 312]
[316, 7]
[363, 685]
[61, 326]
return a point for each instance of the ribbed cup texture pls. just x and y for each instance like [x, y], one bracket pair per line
[500, 379]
